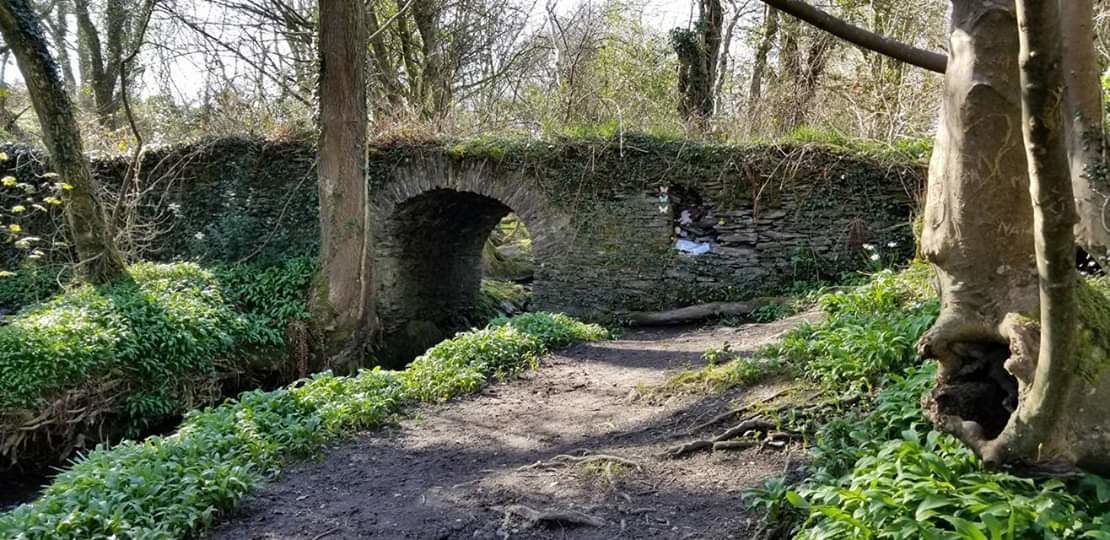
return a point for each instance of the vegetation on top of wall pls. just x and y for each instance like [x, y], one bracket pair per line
[571, 169]
[133, 353]
[175, 486]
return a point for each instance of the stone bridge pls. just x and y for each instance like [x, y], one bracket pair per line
[604, 215]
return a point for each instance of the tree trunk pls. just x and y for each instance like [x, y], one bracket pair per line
[1010, 399]
[341, 301]
[1086, 145]
[100, 261]
[755, 93]
[697, 51]
[103, 72]
[390, 90]
[61, 34]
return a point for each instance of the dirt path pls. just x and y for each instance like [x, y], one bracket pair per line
[457, 470]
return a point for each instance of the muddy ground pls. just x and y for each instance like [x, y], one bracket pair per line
[481, 466]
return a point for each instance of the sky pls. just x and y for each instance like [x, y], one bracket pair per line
[189, 72]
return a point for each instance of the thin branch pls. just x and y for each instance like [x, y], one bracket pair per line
[932, 61]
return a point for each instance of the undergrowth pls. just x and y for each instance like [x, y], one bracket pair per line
[141, 349]
[175, 486]
[881, 471]
[868, 330]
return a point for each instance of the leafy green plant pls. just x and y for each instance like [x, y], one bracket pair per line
[176, 486]
[880, 470]
[27, 205]
[870, 331]
[555, 330]
[142, 349]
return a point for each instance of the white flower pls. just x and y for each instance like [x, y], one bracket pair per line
[875, 257]
[174, 207]
[199, 235]
[892, 244]
[869, 247]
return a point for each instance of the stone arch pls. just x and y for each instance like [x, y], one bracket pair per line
[432, 216]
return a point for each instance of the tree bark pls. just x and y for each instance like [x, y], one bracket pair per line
[60, 34]
[103, 57]
[853, 34]
[1086, 143]
[100, 261]
[341, 301]
[1012, 384]
[755, 92]
[698, 51]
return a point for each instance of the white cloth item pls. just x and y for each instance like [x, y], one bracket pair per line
[693, 248]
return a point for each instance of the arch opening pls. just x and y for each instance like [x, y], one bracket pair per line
[430, 268]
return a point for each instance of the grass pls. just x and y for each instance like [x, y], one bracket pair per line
[176, 486]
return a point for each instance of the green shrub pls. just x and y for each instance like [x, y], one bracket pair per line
[463, 364]
[32, 284]
[176, 486]
[881, 471]
[888, 474]
[143, 349]
[555, 330]
[870, 331]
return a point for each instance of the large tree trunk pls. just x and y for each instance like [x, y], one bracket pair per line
[1010, 399]
[100, 261]
[341, 300]
[1086, 145]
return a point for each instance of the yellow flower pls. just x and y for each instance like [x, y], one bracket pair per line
[14, 228]
[8, 181]
[18, 209]
[52, 200]
[3, 156]
[6, 274]
[50, 175]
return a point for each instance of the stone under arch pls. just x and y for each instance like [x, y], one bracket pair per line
[432, 218]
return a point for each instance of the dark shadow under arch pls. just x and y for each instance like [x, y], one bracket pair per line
[428, 269]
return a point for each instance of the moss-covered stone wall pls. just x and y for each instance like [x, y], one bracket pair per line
[603, 214]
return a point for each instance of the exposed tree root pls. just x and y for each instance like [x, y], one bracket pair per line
[534, 517]
[582, 460]
[757, 423]
[735, 412]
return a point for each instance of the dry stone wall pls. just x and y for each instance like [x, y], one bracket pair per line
[605, 216]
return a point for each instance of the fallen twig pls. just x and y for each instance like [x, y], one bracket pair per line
[534, 517]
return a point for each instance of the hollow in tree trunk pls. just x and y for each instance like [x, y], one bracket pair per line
[1017, 393]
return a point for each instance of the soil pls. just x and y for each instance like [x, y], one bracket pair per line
[477, 466]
